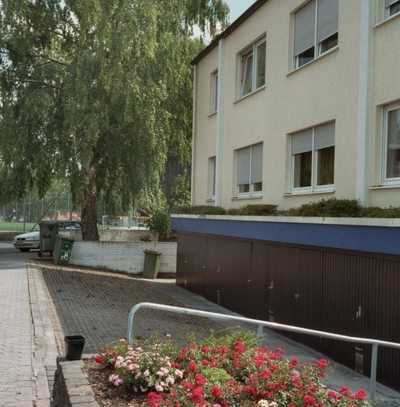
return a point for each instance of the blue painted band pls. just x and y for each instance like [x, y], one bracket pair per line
[385, 240]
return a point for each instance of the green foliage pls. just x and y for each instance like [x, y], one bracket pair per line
[254, 210]
[374, 212]
[228, 337]
[200, 210]
[329, 208]
[160, 222]
[97, 92]
[216, 375]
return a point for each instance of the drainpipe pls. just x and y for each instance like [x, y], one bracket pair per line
[220, 129]
[363, 105]
[194, 134]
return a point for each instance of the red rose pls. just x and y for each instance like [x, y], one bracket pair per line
[100, 359]
[361, 395]
[200, 379]
[216, 392]
[192, 366]
[309, 401]
[322, 363]
[197, 394]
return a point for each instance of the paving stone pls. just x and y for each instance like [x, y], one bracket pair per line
[16, 383]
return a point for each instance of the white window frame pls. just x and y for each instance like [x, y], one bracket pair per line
[214, 78]
[251, 193]
[212, 184]
[253, 48]
[386, 111]
[386, 11]
[313, 188]
[317, 45]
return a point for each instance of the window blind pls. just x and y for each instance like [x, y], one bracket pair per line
[302, 142]
[243, 166]
[256, 163]
[328, 15]
[304, 29]
[394, 130]
[325, 136]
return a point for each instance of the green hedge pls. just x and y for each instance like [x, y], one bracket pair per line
[336, 208]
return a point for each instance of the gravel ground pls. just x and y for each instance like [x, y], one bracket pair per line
[97, 307]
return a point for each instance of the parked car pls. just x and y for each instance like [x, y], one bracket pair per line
[27, 241]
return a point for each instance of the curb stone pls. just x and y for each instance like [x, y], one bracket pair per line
[45, 352]
[71, 387]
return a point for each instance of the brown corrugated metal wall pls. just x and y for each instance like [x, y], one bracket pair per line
[314, 287]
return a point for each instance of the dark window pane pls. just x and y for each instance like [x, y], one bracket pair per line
[305, 57]
[394, 8]
[261, 54]
[257, 187]
[326, 166]
[329, 43]
[393, 144]
[302, 169]
[243, 188]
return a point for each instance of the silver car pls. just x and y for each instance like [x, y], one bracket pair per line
[27, 241]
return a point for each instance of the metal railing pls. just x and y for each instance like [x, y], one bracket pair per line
[272, 325]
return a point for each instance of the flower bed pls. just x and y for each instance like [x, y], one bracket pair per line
[226, 371]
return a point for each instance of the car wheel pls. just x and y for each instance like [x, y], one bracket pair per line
[24, 250]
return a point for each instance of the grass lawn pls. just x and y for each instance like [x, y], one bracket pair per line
[15, 227]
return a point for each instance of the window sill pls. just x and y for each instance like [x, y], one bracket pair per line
[247, 197]
[384, 186]
[250, 94]
[387, 20]
[305, 193]
[212, 114]
[322, 56]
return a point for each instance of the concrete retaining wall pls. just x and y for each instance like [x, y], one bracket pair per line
[123, 256]
[116, 235]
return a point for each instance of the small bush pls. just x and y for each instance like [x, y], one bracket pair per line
[328, 208]
[258, 210]
[160, 222]
[374, 212]
[200, 210]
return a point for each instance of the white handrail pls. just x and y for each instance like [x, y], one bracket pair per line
[272, 325]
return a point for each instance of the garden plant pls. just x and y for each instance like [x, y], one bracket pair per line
[226, 371]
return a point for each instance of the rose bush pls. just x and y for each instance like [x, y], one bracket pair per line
[224, 372]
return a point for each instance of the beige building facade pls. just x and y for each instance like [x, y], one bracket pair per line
[299, 101]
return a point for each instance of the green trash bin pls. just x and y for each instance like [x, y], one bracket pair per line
[62, 250]
[151, 264]
[48, 235]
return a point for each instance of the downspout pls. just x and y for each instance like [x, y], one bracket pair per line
[194, 135]
[363, 105]
[220, 130]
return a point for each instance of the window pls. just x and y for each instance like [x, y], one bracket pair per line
[392, 144]
[252, 68]
[214, 92]
[313, 158]
[211, 177]
[249, 164]
[315, 30]
[392, 7]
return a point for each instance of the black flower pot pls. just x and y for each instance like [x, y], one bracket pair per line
[74, 347]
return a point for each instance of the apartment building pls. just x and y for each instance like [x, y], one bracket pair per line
[298, 101]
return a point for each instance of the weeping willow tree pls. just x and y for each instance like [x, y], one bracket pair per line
[96, 92]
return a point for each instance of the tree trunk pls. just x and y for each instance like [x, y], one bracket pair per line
[89, 209]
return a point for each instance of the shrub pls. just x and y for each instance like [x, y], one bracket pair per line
[200, 210]
[224, 371]
[258, 210]
[329, 208]
[160, 222]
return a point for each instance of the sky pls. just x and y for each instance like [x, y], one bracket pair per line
[238, 7]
